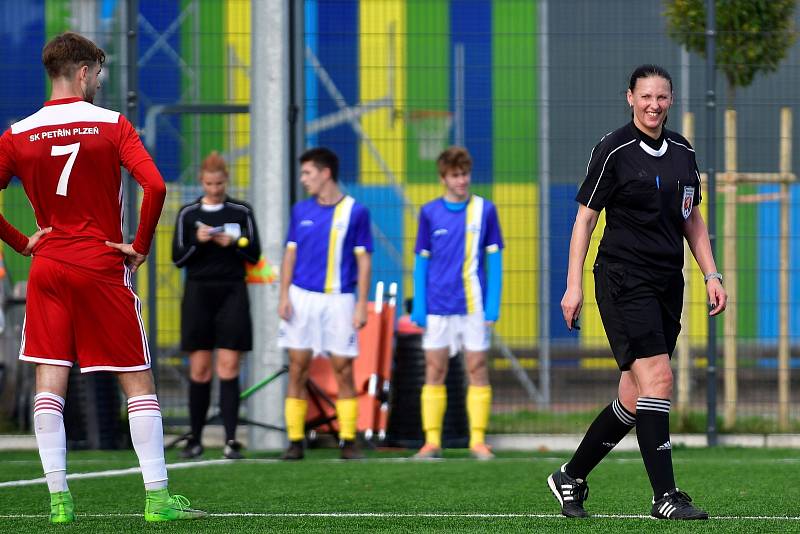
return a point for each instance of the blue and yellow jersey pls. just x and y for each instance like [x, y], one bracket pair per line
[327, 240]
[456, 243]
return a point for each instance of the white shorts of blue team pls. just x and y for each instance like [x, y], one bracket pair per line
[320, 322]
[456, 332]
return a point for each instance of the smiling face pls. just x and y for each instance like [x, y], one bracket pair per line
[650, 101]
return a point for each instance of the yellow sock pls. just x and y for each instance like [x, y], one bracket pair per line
[479, 405]
[347, 414]
[434, 404]
[294, 411]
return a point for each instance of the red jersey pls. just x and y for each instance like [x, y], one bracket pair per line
[68, 156]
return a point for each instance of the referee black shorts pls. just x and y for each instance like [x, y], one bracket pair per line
[640, 309]
[216, 315]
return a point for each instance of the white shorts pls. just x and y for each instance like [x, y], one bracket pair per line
[322, 322]
[457, 331]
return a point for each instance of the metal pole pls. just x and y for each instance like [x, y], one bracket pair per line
[711, 159]
[544, 202]
[458, 94]
[296, 93]
[784, 349]
[270, 73]
[132, 106]
[131, 187]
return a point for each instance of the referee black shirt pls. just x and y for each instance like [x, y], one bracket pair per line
[209, 261]
[648, 188]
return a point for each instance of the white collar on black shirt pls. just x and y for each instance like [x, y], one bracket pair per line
[211, 207]
[653, 152]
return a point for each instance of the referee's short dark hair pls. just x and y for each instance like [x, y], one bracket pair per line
[648, 71]
[322, 158]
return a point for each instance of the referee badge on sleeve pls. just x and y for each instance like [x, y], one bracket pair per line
[688, 201]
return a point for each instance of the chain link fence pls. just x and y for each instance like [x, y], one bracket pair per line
[529, 88]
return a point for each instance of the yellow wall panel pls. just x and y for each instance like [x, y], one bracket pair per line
[517, 208]
[695, 315]
[382, 42]
[592, 332]
[168, 278]
[237, 42]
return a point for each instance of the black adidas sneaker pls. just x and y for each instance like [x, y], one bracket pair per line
[570, 492]
[675, 504]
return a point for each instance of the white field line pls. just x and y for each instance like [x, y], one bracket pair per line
[400, 459]
[391, 515]
[203, 463]
[116, 472]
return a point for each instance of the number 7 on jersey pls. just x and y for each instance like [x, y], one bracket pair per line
[63, 150]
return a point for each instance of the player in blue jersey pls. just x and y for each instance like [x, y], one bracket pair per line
[457, 282]
[323, 302]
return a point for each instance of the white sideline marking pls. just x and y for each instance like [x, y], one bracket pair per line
[203, 463]
[119, 472]
[390, 515]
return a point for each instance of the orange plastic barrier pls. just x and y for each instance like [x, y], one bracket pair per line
[371, 374]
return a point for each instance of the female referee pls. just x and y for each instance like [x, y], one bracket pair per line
[646, 178]
[214, 236]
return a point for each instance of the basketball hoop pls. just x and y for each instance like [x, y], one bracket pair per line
[431, 129]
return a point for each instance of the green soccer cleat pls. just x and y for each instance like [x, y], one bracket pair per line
[62, 509]
[161, 506]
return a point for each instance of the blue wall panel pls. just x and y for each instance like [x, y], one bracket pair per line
[471, 25]
[160, 80]
[337, 43]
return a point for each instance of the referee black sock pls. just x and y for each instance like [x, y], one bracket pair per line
[652, 429]
[199, 399]
[608, 428]
[229, 406]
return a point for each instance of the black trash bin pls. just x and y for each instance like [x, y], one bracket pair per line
[408, 377]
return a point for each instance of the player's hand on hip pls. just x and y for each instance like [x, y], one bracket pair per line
[571, 305]
[717, 297]
[285, 309]
[132, 258]
[32, 240]
[360, 315]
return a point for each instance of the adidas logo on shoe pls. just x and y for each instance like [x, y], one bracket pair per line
[665, 447]
[676, 504]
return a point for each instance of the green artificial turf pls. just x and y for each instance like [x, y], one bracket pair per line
[387, 493]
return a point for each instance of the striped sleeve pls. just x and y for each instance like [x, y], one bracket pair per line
[184, 241]
[600, 182]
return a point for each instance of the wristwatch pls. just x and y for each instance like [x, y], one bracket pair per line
[710, 276]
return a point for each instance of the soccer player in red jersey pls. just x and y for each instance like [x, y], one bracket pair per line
[81, 307]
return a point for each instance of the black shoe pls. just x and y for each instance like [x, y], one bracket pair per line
[232, 450]
[675, 504]
[192, 450]
[350, 451]
[570, 492]
[294, 452]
